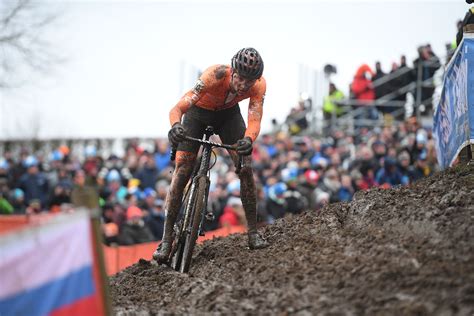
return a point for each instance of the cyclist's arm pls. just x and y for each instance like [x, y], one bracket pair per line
[188, 99]
[255, 111]
[206, 83]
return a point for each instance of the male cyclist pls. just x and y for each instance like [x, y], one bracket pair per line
[214, 101]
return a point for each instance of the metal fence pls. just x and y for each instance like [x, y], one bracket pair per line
[357, 114]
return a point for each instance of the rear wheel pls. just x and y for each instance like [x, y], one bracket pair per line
[192, 229]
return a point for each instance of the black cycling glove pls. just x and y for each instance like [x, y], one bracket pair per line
[176, 134]
[244, 146]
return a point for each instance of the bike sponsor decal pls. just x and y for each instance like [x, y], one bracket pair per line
[198, 87]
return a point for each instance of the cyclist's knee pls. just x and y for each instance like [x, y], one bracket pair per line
[182, 172]
[185, 161]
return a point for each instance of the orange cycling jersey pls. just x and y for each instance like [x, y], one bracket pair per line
[212, 92]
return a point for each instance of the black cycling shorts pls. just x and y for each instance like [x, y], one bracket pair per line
[228, 124]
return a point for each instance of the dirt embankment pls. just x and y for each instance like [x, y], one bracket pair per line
[404, 251]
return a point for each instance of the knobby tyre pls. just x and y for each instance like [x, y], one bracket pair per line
[195, 221]
[179, 234]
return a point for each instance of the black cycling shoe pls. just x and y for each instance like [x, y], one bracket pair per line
[256, 241]
[162, 253]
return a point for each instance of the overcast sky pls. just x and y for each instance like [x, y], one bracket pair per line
[128, 62]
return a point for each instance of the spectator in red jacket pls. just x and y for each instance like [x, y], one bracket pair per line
[362, 87]
[363, 91]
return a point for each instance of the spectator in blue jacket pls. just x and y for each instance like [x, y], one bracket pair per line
[390, 175]
[34, 183]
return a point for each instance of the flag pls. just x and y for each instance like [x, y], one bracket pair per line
[49, 269]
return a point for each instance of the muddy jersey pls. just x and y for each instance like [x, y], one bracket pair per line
[212, 92]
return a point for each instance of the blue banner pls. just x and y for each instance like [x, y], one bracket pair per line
[454, 118]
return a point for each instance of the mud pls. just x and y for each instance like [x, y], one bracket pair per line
[404, 251]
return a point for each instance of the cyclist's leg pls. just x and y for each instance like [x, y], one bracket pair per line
[185, 158]
[230, 131]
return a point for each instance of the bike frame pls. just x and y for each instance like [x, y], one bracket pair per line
[185, 228]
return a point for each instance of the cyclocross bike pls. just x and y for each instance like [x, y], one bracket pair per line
[194, 206]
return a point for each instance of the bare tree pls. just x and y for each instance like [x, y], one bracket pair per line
[23, 24]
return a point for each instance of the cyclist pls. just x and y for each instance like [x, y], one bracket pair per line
[214, 101]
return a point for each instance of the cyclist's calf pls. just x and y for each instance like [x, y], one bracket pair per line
[182, 172]
[246, 172]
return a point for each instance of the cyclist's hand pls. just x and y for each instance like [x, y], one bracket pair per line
[176, 134]
[244, 146]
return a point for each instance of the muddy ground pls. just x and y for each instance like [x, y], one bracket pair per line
[404, 251]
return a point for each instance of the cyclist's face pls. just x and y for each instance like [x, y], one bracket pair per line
[240, 85]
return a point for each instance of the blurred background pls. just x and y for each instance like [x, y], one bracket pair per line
[86, 88]
[115, 68]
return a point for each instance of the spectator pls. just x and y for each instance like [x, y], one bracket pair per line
[296, 120]
[425, 66]
[110, 228]
[368, 176]
[61, 195]
[380, 88]
[404, 79]
[362, 86]
[5, 206]
[363, 91]
[330, 185]
[83, 195]
[404, 164]
[162, 155]
[331, 109]
[295, 202]
[4, 177]
[390, 175]
[18, 201]
[307, 187]
[147, 172]
[234, 214]
[155, 219]
[276, 201]
[346, 191]
[421, 168]
[134, 230]
[91, 165]
[153, 212]
[114, 191]
[34, 183]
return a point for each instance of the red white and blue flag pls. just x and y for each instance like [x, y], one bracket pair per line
[50, 269]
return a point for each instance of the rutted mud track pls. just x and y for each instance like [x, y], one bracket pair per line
[405, 251]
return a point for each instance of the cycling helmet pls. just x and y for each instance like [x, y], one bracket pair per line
[248, 63]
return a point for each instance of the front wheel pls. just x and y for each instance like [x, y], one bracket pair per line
[192, 229]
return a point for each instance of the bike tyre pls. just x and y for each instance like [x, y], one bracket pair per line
[177, 255]
[196, 217]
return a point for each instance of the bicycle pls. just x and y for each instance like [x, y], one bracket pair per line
[189, 227]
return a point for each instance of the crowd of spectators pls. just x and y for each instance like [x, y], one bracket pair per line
[402, 92]
[403, 84]
[374, 95]
[293, 174]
